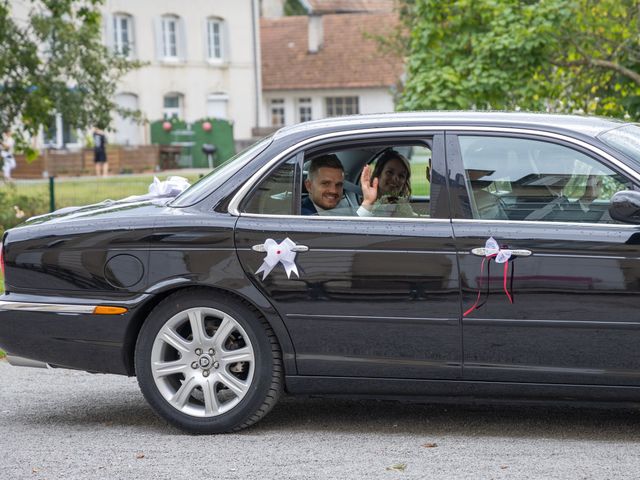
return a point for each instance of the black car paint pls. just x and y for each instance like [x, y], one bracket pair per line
[383, 347]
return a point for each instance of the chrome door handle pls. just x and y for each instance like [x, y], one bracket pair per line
[296, 248]
[482, 252]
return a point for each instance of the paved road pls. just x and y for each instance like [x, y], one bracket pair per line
[63, 424]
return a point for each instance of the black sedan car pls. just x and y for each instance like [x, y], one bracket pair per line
[511, 271]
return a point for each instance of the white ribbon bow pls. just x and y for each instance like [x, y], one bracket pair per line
[491, 248]
[171, 187]
[279, 253]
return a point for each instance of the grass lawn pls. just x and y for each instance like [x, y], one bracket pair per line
[77, 191]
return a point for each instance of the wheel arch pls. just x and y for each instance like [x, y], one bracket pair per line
[257, 302]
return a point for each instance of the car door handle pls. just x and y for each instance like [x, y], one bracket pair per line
[296, 248]
[482, 252]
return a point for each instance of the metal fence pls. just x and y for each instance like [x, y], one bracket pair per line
[21, 199]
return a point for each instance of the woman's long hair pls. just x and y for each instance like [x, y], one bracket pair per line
[383, 159]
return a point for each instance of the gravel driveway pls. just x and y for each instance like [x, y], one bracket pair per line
[73, 425]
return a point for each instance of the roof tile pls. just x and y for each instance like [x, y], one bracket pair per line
[338, 6]
[350, 56]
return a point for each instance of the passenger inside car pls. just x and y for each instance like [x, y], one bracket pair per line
[325, 186]
[387, 190]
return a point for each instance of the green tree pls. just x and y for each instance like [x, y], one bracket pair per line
[553, 55]
[293, 7]
[53, 61]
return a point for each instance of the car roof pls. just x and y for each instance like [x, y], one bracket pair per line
[586, 125]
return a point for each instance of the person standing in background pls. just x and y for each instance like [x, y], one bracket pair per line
[8, 159]
[100, 152]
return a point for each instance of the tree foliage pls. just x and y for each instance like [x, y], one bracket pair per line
[52, 60]
[293, 7]
[550, 55]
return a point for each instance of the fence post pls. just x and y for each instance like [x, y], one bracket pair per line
[52, 195]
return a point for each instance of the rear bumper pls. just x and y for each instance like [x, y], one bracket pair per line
[64, 332]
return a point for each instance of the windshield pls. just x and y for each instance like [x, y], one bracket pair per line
[625, 139]
[219, 175]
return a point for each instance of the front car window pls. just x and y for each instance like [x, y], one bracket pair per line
[523, 179]
[276, 194]
[220, 174]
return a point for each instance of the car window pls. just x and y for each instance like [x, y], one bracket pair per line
[417, 200]
[625, 139]
[220, 174]
[276, 194]
[523, 179]
[335, 189]
[402, 189]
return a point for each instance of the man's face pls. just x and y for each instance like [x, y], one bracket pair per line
[325, 189]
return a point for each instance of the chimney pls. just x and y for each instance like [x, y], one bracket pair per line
[315, 33]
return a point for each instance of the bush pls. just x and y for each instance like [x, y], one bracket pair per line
[16, 208]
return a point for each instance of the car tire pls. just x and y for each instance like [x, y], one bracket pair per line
[208, 363]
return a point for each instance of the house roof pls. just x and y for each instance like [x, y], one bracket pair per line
[345, 6]
[349, 57]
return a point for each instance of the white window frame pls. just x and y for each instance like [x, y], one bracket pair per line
[277, 109]
[119, 45]
[58, 142]
[305, 109]
[221, 99]
[343, 105]
[215, 40]
[169, 112]
[170, 48]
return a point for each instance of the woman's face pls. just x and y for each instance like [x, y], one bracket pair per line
[392, 178]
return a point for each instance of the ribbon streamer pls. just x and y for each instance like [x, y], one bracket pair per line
[492, 251]
[279, 253]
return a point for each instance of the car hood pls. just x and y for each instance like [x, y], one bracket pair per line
[109, 209]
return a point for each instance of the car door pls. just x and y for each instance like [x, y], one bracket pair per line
[564, 308]
[372, 297]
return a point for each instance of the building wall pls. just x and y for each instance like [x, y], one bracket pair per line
[370, 100]
[192, 76]
[272, 8]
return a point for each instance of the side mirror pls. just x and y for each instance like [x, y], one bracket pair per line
[625, 206]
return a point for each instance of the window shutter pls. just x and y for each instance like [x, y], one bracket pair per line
[226, 42]
[132, 38]
[108, 31]
[182, 39]
[157, 22]
[205, 38]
